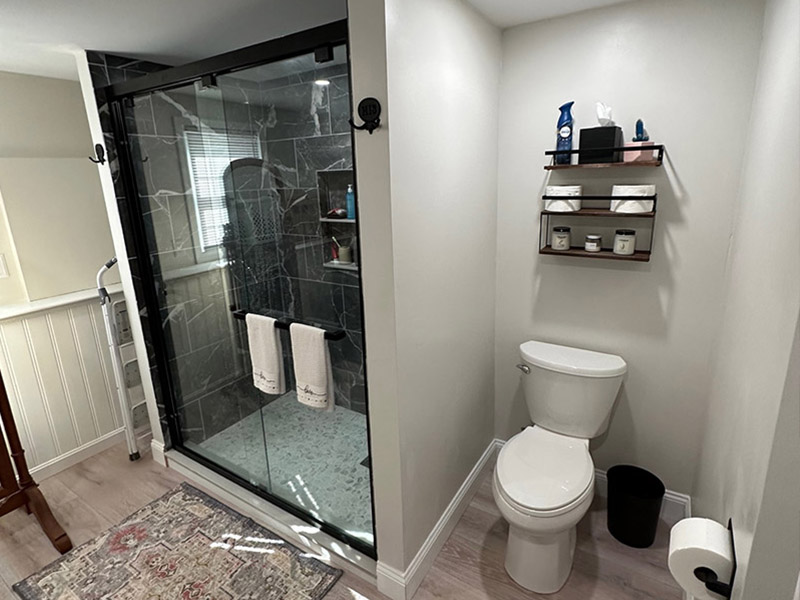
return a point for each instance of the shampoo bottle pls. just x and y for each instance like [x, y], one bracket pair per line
[350, 198]
[564, 137]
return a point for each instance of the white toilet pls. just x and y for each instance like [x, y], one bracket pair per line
[544, 478]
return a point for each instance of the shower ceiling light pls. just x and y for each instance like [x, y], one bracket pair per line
[322, 82]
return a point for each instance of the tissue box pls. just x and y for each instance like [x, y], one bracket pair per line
[639, 152]
[594, 143]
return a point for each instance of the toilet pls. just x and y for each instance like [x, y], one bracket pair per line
[544, 477]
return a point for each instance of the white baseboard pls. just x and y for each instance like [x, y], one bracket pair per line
[157, 448]
[73, 457]
[676, 506]
[400, 585]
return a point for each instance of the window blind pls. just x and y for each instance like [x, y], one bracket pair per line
[210, 154]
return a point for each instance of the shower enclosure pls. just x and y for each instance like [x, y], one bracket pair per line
[233, 168]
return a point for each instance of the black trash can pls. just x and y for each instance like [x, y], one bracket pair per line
[634, 505]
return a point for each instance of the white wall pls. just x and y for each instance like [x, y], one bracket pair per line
[772, 571]
[58, 376]
[688, 69]
[763, 290]
[367, 22]
[54, 234]
[443, 71]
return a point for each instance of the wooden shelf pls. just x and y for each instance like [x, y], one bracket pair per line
[599, 212]
[329, 220]
[341, 266]
[638, 256]
[640, 163]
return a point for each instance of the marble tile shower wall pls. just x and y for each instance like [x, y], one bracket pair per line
[305, 138]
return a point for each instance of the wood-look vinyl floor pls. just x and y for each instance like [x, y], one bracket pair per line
[92, 496]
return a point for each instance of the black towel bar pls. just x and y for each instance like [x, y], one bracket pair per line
[284, 322]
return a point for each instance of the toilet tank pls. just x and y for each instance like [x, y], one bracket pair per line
[570, 390]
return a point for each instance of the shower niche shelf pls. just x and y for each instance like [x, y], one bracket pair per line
[331, 264]
[329, 220]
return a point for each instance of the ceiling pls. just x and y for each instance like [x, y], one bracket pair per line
[167, 31]
[34, 35]
[507, 13]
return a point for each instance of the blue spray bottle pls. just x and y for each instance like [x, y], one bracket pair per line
[564, 137]
[350, 201]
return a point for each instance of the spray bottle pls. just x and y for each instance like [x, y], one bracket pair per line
[564, 137]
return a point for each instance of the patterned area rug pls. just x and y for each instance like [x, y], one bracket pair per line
[183, 546]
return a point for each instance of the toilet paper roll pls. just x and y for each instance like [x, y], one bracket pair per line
[697, 543]
[563, 205]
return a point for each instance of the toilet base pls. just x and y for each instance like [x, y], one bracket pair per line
[540, 563]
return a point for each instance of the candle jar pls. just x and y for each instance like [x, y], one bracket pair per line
[560, 239]
[593, 243]
[625, 242]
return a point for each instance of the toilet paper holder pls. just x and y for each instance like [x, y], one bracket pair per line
[711, 579]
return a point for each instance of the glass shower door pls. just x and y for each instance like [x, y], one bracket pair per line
[242, 185]
[286, 208]
[181, 146]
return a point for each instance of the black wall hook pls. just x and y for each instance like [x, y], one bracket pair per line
[369, 110]
[100, 152]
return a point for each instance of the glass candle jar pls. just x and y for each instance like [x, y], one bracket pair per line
[560, 239]
[625, 242]
[593, 243]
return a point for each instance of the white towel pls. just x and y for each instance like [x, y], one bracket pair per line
[266, 354]
[312, 366]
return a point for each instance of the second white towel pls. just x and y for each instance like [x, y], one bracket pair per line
[266, 354]
[312, 366]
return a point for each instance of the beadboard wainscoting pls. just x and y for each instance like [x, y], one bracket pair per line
[58, 375]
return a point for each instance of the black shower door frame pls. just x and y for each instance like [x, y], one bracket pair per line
[320, 39]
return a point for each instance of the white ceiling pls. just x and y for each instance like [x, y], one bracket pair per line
[167, 31]
[507, 13]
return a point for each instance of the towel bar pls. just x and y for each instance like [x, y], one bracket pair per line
[284, 322]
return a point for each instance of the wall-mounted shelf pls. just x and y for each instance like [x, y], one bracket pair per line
[329, 220]
[638, 163]
[598, 212]
[638, 256]
[341, 266]
[656, 162]
[603, 212]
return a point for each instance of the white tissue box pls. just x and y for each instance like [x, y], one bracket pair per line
[633, 206]
[565, 205]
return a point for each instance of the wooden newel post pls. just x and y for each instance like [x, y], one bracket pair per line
[25, 493]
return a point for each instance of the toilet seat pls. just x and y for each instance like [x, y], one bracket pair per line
[542, 473]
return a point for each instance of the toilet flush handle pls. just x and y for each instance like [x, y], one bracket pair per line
[525, 369]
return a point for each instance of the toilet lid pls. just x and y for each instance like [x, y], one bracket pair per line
[542, 470]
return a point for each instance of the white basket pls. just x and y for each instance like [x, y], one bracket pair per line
[563, 205]
[632, 206]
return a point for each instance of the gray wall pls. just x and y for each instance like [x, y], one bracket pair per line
[775, 558]
[749, 372]
[662, 317]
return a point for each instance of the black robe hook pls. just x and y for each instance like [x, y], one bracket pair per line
[369, 109]
[100, 152]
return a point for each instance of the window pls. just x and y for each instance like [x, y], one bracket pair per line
[210, 154]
